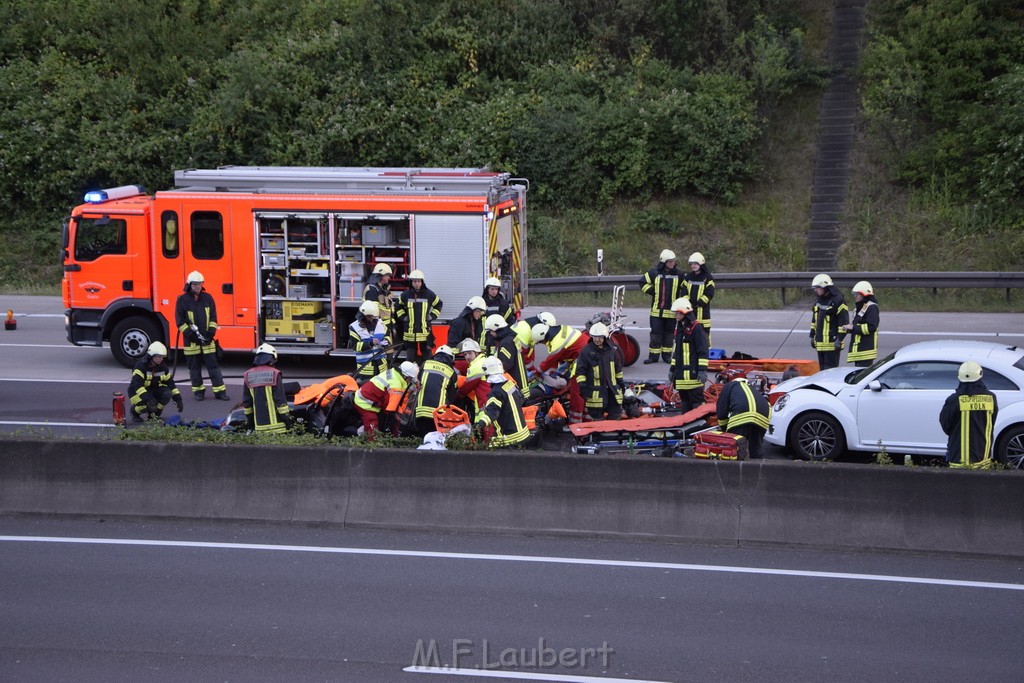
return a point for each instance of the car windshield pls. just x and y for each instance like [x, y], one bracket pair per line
[855, 377]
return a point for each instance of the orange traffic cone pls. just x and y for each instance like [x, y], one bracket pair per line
[10, 323]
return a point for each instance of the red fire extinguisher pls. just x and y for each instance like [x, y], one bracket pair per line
[119, 409]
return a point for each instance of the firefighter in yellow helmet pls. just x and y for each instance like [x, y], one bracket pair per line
[968, 417]
[689, 369]
[378, 290]
[864, 326]
[664, 284]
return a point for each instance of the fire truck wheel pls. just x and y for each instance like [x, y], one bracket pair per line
[130, 338]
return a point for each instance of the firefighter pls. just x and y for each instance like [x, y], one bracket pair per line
[417, 308]
[864, 326]
[370, 338]
[968, 416]
[502, 420]
[599, 376]
[438, 385]
[152, 386]
[495, 300]
[523, 330]
[564, 344]
[263, 399]
[378, 290]
[689, 370]
[375, 396]
[744, 411]
[501, 343]
[699, 288]
[475, 387]
[663, 284]
[469, 324]
[828, 315]
[195, 314]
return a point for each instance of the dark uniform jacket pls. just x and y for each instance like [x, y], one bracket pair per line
[504, 410]
[968, 416]
[437, 387]
[663, 285]
[503, 345]
[200, 311]
[828, 314]
[599, 375]
[738, 404]
[689, 354]
[151, 383]
[498, 305]
[700, 290]
[465, 327]
[415, 311]
[381, 294]
[263, 399]
[864, 345]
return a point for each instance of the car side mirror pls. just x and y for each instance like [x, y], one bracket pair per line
[875, 385]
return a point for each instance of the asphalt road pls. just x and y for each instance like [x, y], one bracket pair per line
[45, 382]
[241, 602]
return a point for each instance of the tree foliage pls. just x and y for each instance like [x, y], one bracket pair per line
[591, 99]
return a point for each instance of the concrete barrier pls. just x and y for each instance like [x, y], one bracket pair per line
[751, 503]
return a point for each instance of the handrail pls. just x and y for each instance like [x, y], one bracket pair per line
[799, 280]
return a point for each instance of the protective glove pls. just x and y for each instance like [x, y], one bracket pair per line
[250, 424]
[210, 334]
[838, 344]
[812, 343]
[289, 420]
[178, 402]
[702, 376]
[190, 337]
[152, 405]
[384, 343]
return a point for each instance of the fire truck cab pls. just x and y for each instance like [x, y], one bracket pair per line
[285, 251]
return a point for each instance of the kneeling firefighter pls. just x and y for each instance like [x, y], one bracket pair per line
[152, 385]
[502, 420]
[263, 399]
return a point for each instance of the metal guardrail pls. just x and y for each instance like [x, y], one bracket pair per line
[880, 280]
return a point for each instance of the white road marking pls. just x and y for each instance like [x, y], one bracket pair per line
[521, 675]
[56, 346]
[56, 424]
[66, 381]
[772, 330]
[518, 558]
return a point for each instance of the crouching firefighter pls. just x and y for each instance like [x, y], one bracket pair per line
[374, 397]
[264, 402]
[502, 421]
[152, 386]
[744, 411]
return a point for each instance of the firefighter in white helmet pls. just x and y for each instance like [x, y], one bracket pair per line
[523, 330]
[828, 315]
[496, 301]
[370, 338]
[501, 343]
[689, 369]
[378, 290]
[384, 394]
[664, 284]
[564, 344]
[418, 307]
[502, 421]
[263, 400]
[469, 324]
[699, 288]
[968, 417]
[475, 388]
[152, 385]
[599, 375]
[438, 386]
[864, 326]
[195, 314]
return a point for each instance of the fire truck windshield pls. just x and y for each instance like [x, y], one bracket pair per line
[95, 237]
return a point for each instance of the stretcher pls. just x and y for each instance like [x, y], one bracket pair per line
[648, 434]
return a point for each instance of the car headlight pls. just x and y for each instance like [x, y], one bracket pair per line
[781, 403]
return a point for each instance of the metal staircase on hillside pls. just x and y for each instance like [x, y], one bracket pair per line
[836, 135]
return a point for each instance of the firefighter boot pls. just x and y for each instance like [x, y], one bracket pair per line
[651, 359]
[221, 396]
[667, 357]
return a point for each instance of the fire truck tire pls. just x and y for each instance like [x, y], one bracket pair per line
[130, 338]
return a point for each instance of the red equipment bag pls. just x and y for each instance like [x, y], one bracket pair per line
[719, 445]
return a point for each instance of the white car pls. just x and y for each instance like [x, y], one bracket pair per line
[895, 403]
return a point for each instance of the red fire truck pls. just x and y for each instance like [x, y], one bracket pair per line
[285, 251]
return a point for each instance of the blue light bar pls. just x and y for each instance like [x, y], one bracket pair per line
[100, 196]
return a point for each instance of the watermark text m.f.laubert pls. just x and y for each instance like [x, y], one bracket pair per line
[466, 653]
